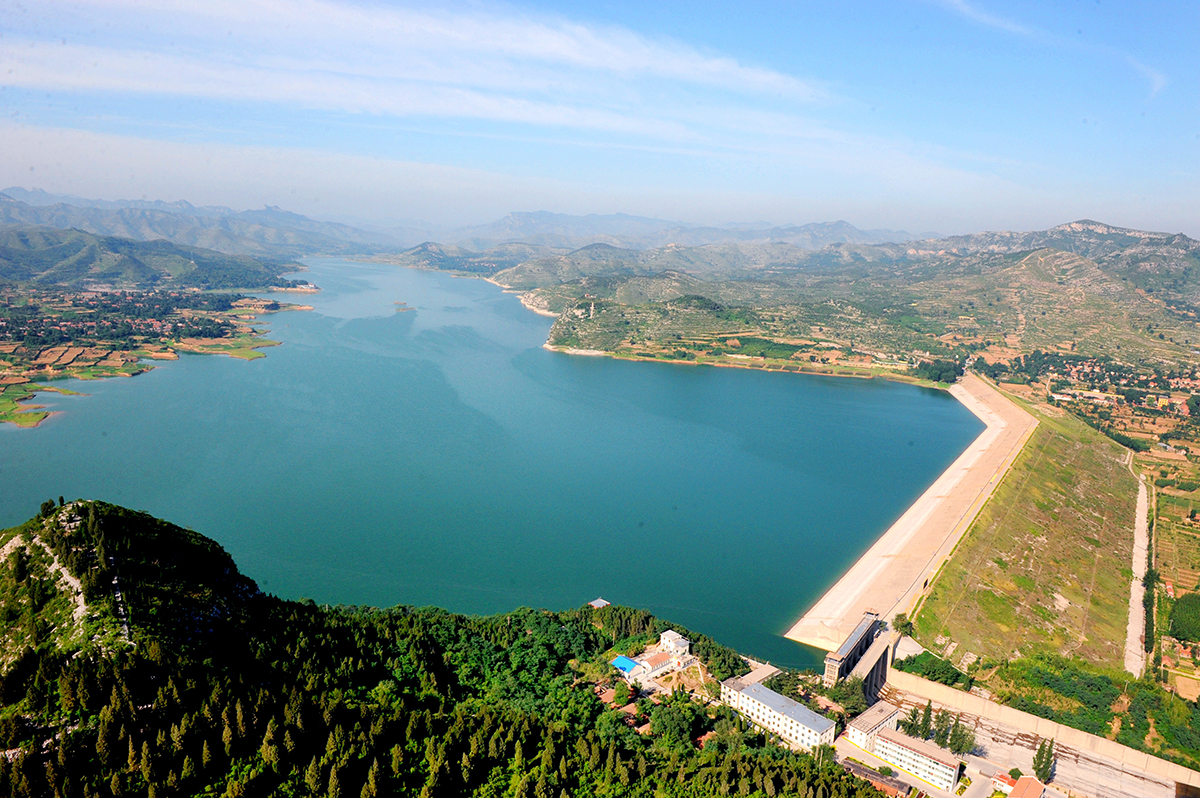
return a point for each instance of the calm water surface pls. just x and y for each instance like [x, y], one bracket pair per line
[441, 456]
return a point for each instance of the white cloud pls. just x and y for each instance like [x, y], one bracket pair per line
[984, 18]
[90, 69]
[1156, 79]
[381, 60]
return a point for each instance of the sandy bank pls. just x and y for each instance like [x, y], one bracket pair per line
[566, 350]
[537, 310]
[893, 572]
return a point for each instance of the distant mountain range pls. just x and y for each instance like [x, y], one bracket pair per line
[270, 232]
[563, 231]
[273, 232]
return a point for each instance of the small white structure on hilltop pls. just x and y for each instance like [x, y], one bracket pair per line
[674, 654]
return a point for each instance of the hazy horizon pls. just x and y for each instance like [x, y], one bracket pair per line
[943, 115]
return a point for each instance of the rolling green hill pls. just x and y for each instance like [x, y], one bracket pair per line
[1085, 289]
[43, 256]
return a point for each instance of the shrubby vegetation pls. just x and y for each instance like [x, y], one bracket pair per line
[1073, 694]
[1149, 580]
[223, 690]
[933, 668]
[804, 686]
[938, 370]
[45, 257]
[1185, 618]
[1128, 441]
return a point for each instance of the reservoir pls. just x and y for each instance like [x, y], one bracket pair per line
[440, 456]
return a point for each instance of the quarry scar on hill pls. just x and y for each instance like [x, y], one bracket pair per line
[890, 576]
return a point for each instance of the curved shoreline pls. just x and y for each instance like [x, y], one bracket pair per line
[899, 567]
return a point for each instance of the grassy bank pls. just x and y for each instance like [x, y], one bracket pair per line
[14, 407]
[1046, 565]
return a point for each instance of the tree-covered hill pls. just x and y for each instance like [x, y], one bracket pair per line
[43, 256]
[137, 661]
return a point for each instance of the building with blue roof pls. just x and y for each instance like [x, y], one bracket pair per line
[625, 665]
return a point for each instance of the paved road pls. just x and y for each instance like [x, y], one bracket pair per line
[1135, 653]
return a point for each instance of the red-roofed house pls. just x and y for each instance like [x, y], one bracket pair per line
[1027, 787]
[1002, 782]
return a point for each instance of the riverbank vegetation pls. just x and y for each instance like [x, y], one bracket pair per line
[160, 670]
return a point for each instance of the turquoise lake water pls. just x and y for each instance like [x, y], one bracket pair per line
[441, 456]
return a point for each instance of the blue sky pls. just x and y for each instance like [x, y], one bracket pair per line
[943, 115]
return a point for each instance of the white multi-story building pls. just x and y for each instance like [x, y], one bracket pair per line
[917, 757]
[674, 643]
[862, 730]
[794, 722]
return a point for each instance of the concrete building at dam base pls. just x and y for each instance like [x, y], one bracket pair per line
[795, 723]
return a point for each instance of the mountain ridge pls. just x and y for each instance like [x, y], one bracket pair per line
[268, 232]
[48, 256]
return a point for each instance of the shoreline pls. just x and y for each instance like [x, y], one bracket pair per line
[241, 346]
[897, 569]
[758, 364]
[521, 298]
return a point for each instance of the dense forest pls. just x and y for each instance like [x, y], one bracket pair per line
[138, 661]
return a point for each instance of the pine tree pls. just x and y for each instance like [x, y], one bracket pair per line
[1043, 761]
[106, 742]
[941, 728]
[926, 721]
[371, 788]
[147, 761]
[312, 776]
[962, 739]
